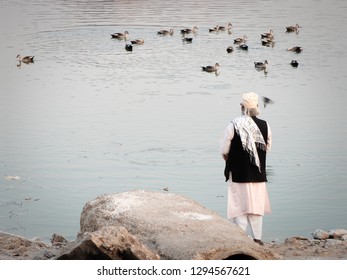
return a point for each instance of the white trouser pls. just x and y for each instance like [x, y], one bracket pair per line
[254, 221]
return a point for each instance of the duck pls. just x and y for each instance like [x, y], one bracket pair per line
[295, 49]
[137, 41]
[240, 40]
[267, 42]
[294, 63]
[261, 65]
[214, 29]
[165, 32]
[188, 30]
[223, 28]
[129, 47]
[120, 36]
[187, 40]
[230, 49]
[26, 59]
[291, 28]
[267, 35]
[243, 47]
[211, 68]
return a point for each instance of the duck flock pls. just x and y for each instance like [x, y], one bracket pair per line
[267, 39]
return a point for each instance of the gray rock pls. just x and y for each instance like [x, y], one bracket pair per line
[168, 225]
[320, 234]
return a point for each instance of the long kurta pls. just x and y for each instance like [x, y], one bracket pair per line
[245, 198]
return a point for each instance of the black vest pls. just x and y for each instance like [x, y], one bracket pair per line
[239, 164]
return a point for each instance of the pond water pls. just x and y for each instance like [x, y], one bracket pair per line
[88, 117]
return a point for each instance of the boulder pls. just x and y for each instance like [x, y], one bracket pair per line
[108, 243]
[161, 225]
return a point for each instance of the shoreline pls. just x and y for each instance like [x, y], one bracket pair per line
[323, 245]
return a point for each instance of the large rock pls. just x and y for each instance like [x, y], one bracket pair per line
[108, 243]
[166, 226]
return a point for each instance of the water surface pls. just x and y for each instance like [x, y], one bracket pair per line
[89, 118]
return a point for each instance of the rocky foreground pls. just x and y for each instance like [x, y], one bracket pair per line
[151, 226]
[293, 248]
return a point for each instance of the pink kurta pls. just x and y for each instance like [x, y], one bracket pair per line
[245, 198]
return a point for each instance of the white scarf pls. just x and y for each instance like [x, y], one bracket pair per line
[251, 137]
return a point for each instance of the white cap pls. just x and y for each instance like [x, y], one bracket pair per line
[250, 100]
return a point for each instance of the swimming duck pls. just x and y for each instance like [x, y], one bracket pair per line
[187, 40]
[296, 49]
[230, 49]
[137, 42]
[240, 40]
[261, 65]
[294, 63]
[268, 42]
[210, 68]
[166, 32]
[293, 28]
[243, 47]
[223, 28]
[214, 29]
[267, 35]
[188, 30]
[129, 47]
[120, 36]
[26, 59]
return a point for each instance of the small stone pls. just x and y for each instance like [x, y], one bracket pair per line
[337, 233]
[320, 234]
[58, 240]
[344, 237]
[332, 243]
[292, 241]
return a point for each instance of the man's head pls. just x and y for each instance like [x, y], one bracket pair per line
[250, 100]
[249, 104]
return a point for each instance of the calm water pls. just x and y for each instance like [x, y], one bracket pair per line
[89, 118]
